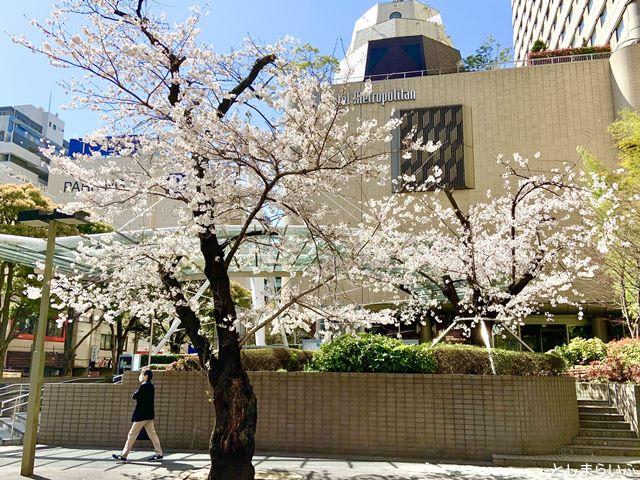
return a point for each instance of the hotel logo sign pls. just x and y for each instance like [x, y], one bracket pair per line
[361, 98]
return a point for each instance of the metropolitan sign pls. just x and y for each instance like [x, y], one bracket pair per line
[360, 98]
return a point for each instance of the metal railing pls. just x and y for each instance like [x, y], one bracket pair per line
[18, 398]
[497, 66]
[14, 404]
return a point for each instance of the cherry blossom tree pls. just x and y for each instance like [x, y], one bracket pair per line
[256, 139]
[516, 253]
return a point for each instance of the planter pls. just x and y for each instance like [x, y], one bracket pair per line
[460, 417]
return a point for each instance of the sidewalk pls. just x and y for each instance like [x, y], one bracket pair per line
[54, 463]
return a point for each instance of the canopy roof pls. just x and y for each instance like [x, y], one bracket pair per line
[258, 256]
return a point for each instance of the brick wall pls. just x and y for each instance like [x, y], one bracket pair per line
[397, 416]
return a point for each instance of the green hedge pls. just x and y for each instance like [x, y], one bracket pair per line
[366, 353]
[255, 360]
[582, 352]
[274, 359]
[470, 360]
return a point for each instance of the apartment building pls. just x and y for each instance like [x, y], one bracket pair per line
[574, 23]
[24, 130]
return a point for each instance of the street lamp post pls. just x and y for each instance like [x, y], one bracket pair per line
[38, 218]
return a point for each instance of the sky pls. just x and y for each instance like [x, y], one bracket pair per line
[325, 24]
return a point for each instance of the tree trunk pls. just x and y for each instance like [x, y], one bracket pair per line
[69, 351]
[236, 408]
[6, 331]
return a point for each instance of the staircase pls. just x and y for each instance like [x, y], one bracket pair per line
[603, 432]
[13, 406]
[604, 438]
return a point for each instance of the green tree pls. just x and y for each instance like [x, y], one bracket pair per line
[14, 199]
[539, 46]
[490, 55]
[14, 278]
[622, 260]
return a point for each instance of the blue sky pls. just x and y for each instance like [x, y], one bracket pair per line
[326, 24]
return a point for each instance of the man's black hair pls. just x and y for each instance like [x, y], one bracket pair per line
[148, 374]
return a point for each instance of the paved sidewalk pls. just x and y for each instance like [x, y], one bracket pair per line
[54, 463]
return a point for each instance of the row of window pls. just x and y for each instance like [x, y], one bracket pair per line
[527, 38]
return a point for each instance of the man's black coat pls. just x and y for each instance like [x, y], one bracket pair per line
[144, 398]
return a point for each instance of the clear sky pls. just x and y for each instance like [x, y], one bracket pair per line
[326, 24]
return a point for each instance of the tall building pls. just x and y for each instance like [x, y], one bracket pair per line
[399, 36]
[24, 129]
[573, 23]
[547, 107]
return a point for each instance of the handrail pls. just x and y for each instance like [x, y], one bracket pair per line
[13, 399]
[14, 407]
[496, 66]
[13, 385]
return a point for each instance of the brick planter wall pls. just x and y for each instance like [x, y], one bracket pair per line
[395, 416]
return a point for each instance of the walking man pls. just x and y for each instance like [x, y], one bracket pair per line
[142, 417]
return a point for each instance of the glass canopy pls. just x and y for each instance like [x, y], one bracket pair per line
[261, 254]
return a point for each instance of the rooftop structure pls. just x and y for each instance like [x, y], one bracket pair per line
[398, 36]
[24, 129]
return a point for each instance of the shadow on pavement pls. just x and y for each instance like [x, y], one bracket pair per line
[441, 475]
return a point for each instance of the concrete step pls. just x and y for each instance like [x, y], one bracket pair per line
[605, 425]
[18, 426]
[596, 410]
[607, 442]
[600, 451]
[602, 432]
[601, 417]
[564, 461]
[593, 403]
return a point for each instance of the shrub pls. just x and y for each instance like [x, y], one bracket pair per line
[165, 359]
[471, 360]
[565, 52]
[539, 46]
[274, 359]
[582, 352]
[253, 360]
[627, 350]
[187, 363]
[367, 353]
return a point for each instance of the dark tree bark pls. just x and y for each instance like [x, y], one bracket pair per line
[69, 347]
[7, 328]
[233, 439]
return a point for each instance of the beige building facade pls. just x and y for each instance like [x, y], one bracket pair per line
[553, 109]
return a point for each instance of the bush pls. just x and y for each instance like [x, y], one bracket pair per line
[565, 52]
[187, 363]
[471, 360]
[582, 352]
[255, 360]
[165, 359]
[367, 353]
[274, 359]
[627, 350]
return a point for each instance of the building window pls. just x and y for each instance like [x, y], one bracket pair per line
[603, 16]
[620, 31]
[395, 15]
[581, 27]
[444, 124]
[593, 39]
[590, 6]
[106, 341]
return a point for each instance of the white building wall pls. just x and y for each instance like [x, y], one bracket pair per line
[570, 23]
